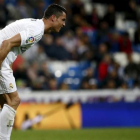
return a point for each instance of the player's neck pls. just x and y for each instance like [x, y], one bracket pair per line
[47, 26]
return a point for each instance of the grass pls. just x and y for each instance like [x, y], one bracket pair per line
[83, 134]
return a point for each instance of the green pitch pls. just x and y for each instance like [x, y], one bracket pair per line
[83, 134]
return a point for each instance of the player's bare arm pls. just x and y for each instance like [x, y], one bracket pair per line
[7, 45]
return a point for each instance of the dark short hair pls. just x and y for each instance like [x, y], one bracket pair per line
[54, 9]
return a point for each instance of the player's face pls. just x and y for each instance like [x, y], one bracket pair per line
[59, 22]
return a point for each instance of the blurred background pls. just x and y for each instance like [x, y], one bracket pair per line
[88, 75]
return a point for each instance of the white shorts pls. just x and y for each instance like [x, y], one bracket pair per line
[7, 82]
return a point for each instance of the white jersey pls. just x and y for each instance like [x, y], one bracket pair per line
[30, 30]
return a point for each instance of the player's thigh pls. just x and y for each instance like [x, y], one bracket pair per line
[8, 87]
[12, 99]
[7, 82]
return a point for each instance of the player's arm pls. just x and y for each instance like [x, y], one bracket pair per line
[7, 45]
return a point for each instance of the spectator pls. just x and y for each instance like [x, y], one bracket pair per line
[40, 56]
[69, 41]
[23, 10]
[93, 84]
[94, 18]
[37, 85]
[137, 34]
[136, 84]
[81, 48]
[52, 84]
[88, 55]
[89, 74]
[48, 44]
[102, 32]
[114, 42]
[132, 69]
[32, 73]
[45, 76]
[124, 86]
[103, 67]
[64, 86]
[59, 50]
[131, 13]
[111, 84]
[21, 74]
[3, 14]
[76, 22]
[36, 53]
[35, 80]
[44, 72]
[101, 52]
[79, 32]
[85, 15]
[76, 6]
[125, 44]
[110, 16]
[89, 80]
[112, 76]
[39, 10]
[84, 85]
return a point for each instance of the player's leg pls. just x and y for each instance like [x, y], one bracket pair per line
[8, 114]
[12, 99]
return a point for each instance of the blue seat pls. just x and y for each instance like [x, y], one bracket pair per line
[136, 48]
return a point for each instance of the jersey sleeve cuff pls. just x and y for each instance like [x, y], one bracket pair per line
[23, 38]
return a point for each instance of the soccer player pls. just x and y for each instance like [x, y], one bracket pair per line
[15, 39]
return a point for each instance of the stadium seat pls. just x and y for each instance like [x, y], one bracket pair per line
[136, 57]
[119, 57]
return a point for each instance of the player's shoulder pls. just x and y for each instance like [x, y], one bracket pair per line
[32, 23]
[37, 25]
[37, 22]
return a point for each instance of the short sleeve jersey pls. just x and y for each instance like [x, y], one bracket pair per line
[30, 30]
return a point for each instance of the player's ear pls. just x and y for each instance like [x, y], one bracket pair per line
[53, 18]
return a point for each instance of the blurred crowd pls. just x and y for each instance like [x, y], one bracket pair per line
[90, 35]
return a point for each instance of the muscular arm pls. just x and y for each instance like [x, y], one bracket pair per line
[7, 45]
